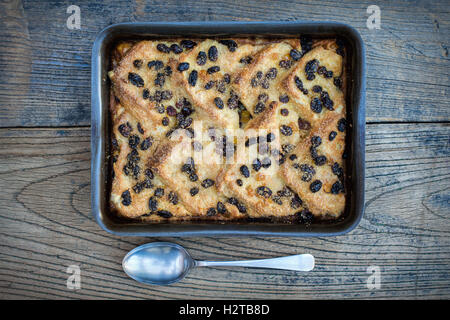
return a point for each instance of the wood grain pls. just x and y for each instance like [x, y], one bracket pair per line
[46, 225]
[45, 78]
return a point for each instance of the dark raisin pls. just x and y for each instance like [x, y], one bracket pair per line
[315, 186]
[149, 173]
[293, 157]
[285, 64]
[226, 78]
[342, 124]
[298, 83]
[194, 191]
[171, 111]
[270, 137]
[211, 212]
[306, 176]
[320, 160]
[187, 110]
[313, 152]
[241, 207]
[166, 95]
[264, 191]
[188, 44]
[246, 60]
[277, 200]
[265, 83]
[147, 143]
[321, 70]
[155, 63]
[328, 74]
[153, 204]
[185, 123]
[287, 148]
[172, 197]
[338, 82]
[337, 187]
[160, 79]
[316, 141]
[145, 94]
[231, 44]
[272, 73]
[221, 208]
[183, 66]
[160, 108]
[218, 102]
[193, 176]
[176, 48]
[263, 97]
[303, 124]
[311, 66]
[201, 58]
[265, 163]
[337, 170]
[295, 55]
[164, 214]
[317, 89]
[239, 182]
[159, 192]
[209, 85]
[259, 75]
[213, 53]
[125, 129]
[207, 183]
[133, 141]
[286, 130]
[327, 102]
[213, 69]
[126, 198]
[193, 78]
[135, 79]
[259, 108]
[296, 202]
[332, 135]
[254, 82]
[168, 71]
[163, 48]
[284, 112]
[256, 164]
[316, 105]
[165, 121]
[137, 63]
[244, 171]
[307, 168]
[284, 98]
[220, 86]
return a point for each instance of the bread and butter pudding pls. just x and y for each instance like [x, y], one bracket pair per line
[228, 129]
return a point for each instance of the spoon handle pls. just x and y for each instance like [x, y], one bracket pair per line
[299, 262]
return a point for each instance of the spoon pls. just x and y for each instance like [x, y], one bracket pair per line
[164, 263]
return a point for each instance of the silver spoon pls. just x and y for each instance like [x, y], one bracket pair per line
[164, 263]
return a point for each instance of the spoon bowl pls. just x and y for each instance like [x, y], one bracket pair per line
[163, 263]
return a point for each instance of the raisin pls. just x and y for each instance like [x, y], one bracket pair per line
[286, 130]
[337, 187]
[265, 163]
[194, 191]
[173, 198]
[284, 98]
[159, 192]
[239, 182]
[213, 69]
[135, 79]
[337, 170]
[126, 198]
[171, 111]
[338, 82]
[164, 214]
[320, 160]
[220, 86]
[306, 176]
[284, 112]
[321, 70]
[256, 164]
[176, 48]
[332, 135]
[125, 129]
[244, 171]
[293, 157]
[311, 66]
[183, 66]
[168, 71]
[137, 63]
[155, 63]
[193, 176]
[188, 44]
[272, 73]
[160, 79]
[213, 53]
[221, 208]
[287, 148]
[285, 64]
[145, 94]
[295, 55]
[259, 75]
[259, 108]
[193, 78]
[209, 85]
[201, 58]
[317, 89]
[211, 212]
[254, 82]
[218, 102]
[270, 137]
[153, 204]
[187, 110]
[165, 121]
[264, 191]
[316, 105]
[342, 124]
[138, 187]
[315, 186]
[328, 74]
[231, 44]
[149, 173]
[307, 168]
[299, 84]
[166, 95]
[160, 108]
[327, 102]
[207, 183]
[226, 78]
[185, 123]
[265, 83]
[246, 60]
[296, 202]
[163, 48]
[263, 97]
[316, 141]
[305, 216]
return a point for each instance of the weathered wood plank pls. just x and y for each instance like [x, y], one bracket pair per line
[45, 78]
[46, 225]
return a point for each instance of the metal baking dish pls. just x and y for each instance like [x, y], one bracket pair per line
[100, 138]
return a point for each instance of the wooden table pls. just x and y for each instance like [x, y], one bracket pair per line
[45, 219]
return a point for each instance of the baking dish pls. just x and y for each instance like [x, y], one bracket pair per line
[100, 126]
